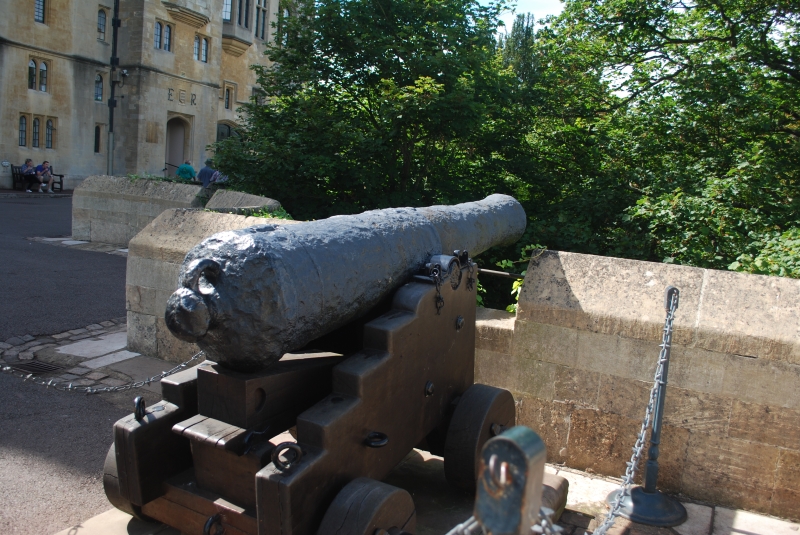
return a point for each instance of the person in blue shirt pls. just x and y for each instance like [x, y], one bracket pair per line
[39, 177]
[186, 171]
[206, 173]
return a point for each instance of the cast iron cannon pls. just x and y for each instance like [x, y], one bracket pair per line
[356, 332]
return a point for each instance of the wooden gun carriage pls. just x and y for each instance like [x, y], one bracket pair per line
[358, 399]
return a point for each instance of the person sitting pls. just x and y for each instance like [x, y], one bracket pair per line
[206, 173]
[44, 175]
[186, 171]
[29, 172]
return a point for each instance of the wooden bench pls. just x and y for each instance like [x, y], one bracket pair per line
[25, 180]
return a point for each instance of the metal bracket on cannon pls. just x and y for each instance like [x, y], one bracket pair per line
[205, 459]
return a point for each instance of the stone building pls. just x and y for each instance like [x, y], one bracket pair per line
[184, 68]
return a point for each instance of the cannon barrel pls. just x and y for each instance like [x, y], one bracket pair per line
[249, 296]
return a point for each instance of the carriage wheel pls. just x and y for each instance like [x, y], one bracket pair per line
[111, 486]
[365, 507]
[482, 412]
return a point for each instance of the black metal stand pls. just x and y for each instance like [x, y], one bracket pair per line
[646, 505]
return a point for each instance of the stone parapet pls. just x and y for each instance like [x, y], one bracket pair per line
[580, 357]
[236, 202]
[154, 258]
[114, 209]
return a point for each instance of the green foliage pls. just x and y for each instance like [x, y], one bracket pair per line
[280, 213]
[655, 129]
[779, 255]
[528, 253]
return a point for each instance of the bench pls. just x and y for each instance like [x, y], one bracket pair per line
[24, 180]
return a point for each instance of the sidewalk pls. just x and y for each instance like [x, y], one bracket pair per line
[97, 356]
[23, 194]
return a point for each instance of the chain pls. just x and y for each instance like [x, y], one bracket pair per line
[544, 526]
[638, 447]
[66, 386]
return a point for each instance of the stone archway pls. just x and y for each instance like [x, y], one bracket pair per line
[178, 136]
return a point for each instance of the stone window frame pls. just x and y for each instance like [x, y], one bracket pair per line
[24, 122]
[98, 138]
[36, 131]
[166, 36]
[102, 23]
[201, 47]
[229, 94]
[38, 62]
[98, 79]
[262, 19]
[50, 129]
[40, 11]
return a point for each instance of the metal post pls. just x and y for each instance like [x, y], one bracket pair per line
[646, 505]
[112, 102]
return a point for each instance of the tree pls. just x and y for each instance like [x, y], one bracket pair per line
[376, 103]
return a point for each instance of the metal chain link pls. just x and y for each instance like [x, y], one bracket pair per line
[66, 386]
[544, 526]
[638, 447]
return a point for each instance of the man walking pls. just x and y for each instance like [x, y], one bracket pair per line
[186, 171]
[206, 173]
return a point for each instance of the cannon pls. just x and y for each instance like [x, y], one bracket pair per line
[355, 332]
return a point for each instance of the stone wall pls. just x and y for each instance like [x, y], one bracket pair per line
[114, 209]
[154, 259]
[580, 357]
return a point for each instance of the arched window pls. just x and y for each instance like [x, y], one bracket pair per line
[23, 131]
[98, 87]
[204, 52]
[48, 135]
[38, 11]
[227, 98]
[35, 133]
[226, 10]
[167, 37]
[101, 25]
[31, 74]
[97, 138]
[196, 50]
[157, 36]
[43, 76]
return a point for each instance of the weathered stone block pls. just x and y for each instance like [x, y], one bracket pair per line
[608, 295]
[751, 315]
[549, 343]
[494, 330]
[236, 202]
[142, 333]
[786, 498]
[697, 411]
[697, 369]
[118, 207]
[616, 355]
[730, 472]
[601, 442]
[551, 420]
[762, 381]
[578, 387]
[140, 299]
[771, 425]
[622, 396]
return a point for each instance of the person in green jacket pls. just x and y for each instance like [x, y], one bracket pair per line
[186, 171]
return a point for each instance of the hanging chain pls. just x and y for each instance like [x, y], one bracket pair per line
[638, 447]
[544, 526]
[66, 386]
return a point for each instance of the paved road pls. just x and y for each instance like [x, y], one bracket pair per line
[52, 448]
[52, 444]
[46, 289]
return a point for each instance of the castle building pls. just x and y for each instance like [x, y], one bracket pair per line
[184, 69]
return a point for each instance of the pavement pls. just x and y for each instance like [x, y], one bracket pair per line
[45, 289]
